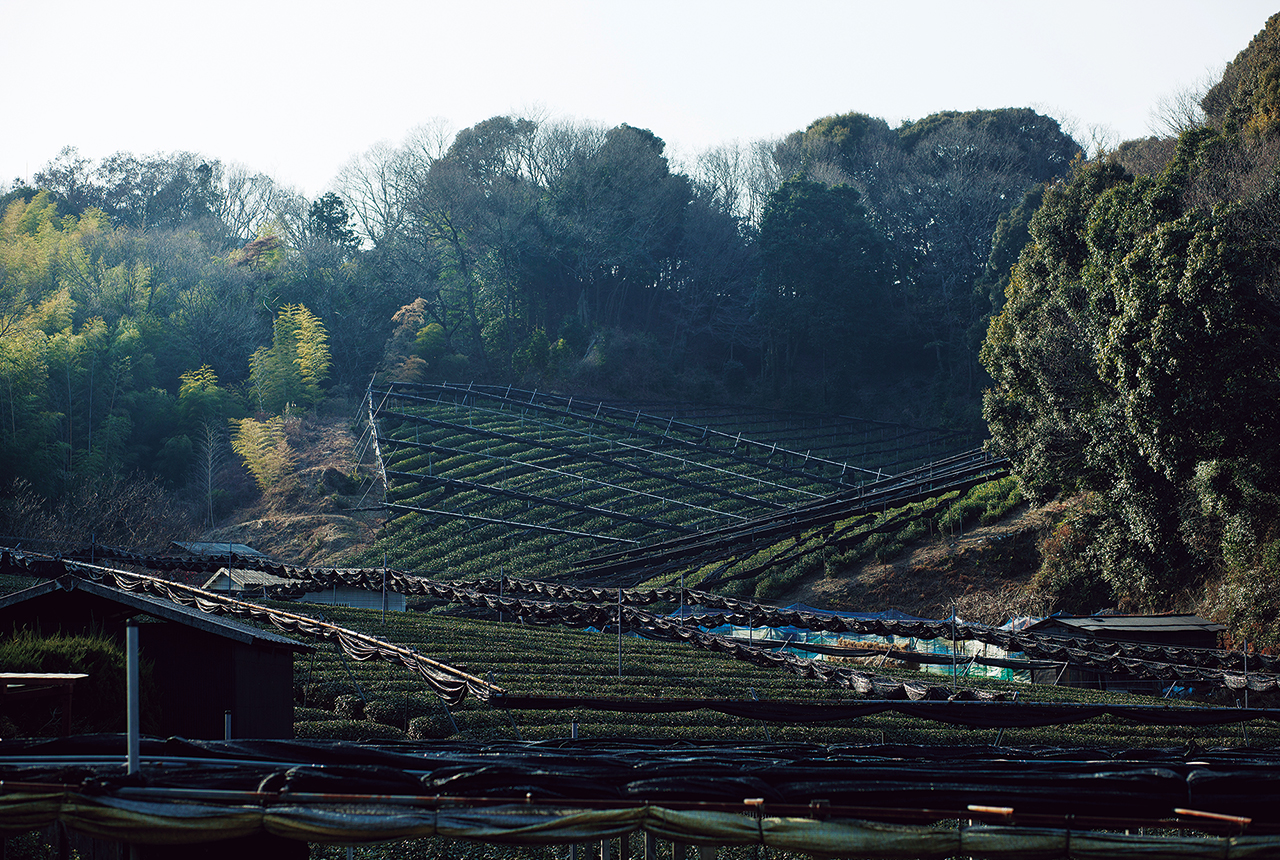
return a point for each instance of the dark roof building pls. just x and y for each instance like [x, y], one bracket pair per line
[1164, 631]
[244, 584]
[203, 665]
[217, 549]
[1179, 631]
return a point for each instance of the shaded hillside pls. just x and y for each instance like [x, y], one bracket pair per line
[320, 512]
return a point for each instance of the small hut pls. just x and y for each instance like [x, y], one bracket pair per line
[1164, 631]
[240, 583]
[203, 665]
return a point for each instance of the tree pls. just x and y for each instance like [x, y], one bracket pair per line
[1136, 356]
[822, 278]
[936, 189]
[331, 222]
[290, 372]
[263, 447]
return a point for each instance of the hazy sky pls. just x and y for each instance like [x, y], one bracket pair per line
[296, 89]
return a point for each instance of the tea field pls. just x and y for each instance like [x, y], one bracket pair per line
[337, 697]
[482, 481]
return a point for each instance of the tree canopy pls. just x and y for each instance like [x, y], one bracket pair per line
[1136, 357]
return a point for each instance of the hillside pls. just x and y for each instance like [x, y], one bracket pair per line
[326, 514]
[986, 573]
[319, 513]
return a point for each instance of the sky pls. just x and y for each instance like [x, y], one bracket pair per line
[297, 88]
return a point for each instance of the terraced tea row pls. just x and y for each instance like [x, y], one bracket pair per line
[481, 480]
[548, 661]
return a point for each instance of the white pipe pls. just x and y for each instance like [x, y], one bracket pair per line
[134, 704]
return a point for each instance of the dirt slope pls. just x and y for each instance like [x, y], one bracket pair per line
[322, 514]
[985, 573]
[313, 516]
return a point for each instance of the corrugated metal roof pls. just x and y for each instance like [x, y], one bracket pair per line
[215, 549]
[247, 579]
[1131, 623]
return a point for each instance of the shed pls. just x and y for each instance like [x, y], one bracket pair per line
[1166, 631]
[218, 549]
[1173, 631]
[244, 583]
[204, 665]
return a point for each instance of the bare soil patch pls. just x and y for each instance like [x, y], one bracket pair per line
[314, 516]
[986, 574]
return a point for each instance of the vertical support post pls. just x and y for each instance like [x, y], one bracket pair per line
[620, 633]
[650, 846]
[448, 713]
[1246, 673]
[573, 729]
[954, 657]
[768, 734]
[133, 716]
[226, 724]
[605, 849]
[384, 589]
[1244, 726]
[682, 598]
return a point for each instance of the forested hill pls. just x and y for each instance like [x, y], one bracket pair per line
[1137, 360]
[1120, 312]
[145, 301]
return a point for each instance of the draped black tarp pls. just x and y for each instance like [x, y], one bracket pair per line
[593, 607]
[878, 780]
[449, 683]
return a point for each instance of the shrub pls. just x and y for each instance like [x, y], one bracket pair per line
[1071, 570]
[984, 504]
[430, 726]
[351, 707]
[320, 694]
[99, 700]
[346, 730]
[397, 709]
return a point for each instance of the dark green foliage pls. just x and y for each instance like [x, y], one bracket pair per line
[331, 222]
[400, 709]
[350, 707]
[824, 278]
[1247, 99]
[430, 726]
[983, 505]
[346, 730]
[98, 703]
[1136, 357]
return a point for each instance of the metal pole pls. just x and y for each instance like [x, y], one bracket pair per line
[133, 717]
[620, 634]
[384, 589]
[226, 725]
[954, 657]
[682, 598]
